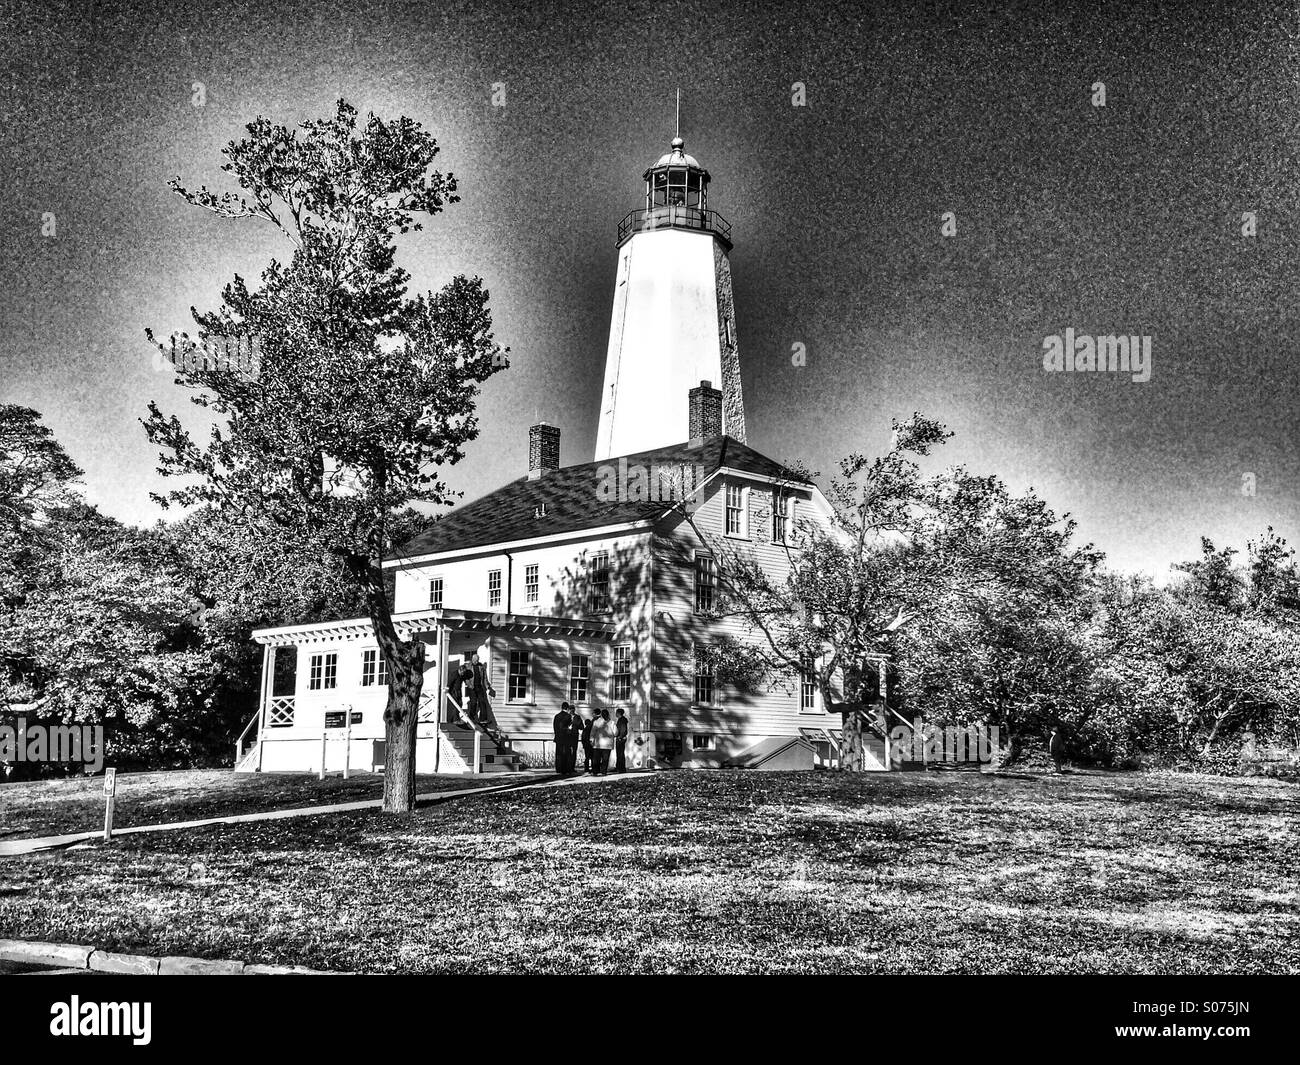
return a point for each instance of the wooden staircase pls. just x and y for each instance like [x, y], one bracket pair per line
[495, 752]
[493, 757]
[828, 745]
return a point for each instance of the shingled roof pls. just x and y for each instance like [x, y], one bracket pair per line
[569, 495]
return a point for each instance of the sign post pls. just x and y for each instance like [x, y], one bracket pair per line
[347, 746]
[110, 793]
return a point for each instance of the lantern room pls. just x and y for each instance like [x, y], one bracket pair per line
[677, 180]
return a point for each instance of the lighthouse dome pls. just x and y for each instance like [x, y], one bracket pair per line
[677, 156]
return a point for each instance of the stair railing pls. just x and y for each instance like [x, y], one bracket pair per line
[239, 743]
[911, 729]
[478, 732]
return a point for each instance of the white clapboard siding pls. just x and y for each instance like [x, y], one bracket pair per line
[765, 712]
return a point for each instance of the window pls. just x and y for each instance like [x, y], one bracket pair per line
[659, 189]
[807, 687]
[677, 187]
[494, 587]
[702, 741]
[374, 669]
[579, 677]
[530, 582]
[519, 679]
[621, 689]
[780, 516]
[735, 510]
[435, 593]
[598, 583]
[324, 672]
[704, 583]
[704, 683]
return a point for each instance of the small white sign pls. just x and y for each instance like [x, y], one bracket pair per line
[110, 781]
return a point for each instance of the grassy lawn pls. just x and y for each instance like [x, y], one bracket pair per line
[717, 871]
[54, 807]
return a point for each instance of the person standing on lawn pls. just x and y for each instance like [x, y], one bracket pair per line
[620, 741]
[560, 725]
[602, 739]
[1056, 746]
[587, 750]
[575, 736]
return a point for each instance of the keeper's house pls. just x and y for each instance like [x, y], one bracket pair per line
[591, 582]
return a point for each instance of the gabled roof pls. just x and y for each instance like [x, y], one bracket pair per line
[572, 501]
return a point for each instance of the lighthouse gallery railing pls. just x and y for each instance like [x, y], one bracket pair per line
[676, 217]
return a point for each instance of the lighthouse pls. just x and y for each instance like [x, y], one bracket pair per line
[674, 321]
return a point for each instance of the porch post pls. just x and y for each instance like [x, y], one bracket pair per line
[884, 716]
[347, 744]
[268, 686]
[268, 669]
[440, 699]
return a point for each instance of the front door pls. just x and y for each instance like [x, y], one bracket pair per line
[454, 662]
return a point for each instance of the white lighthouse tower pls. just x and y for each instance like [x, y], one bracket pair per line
[674, 322]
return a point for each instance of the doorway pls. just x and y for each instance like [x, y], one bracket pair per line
[448, 713]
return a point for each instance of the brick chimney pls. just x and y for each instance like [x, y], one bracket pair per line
[706, 412]
[543, 450]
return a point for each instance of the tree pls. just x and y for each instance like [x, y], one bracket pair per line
[361, 394]
[37, 479]
[1237, 671]
[109, 637]
[36, 474]
[1272, 579]
[1174, 675]
[1213, 577]
[842, 590]
[1022, 666]
[900, 549]
[95, 624]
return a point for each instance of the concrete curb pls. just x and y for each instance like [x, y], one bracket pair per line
[64, 955]
[72, 956]
[103, 961]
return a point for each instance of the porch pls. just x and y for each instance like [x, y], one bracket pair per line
[325, 687]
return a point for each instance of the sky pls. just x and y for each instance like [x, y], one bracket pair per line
[1125, 218]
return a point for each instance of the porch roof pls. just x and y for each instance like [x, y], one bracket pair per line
[407, 625]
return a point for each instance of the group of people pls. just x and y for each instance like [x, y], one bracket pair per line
[599, 736]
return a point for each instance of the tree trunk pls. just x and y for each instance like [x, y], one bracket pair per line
[405, 681]
[853, 758]
[401, 716]
[1214, 730]
[853, 717]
